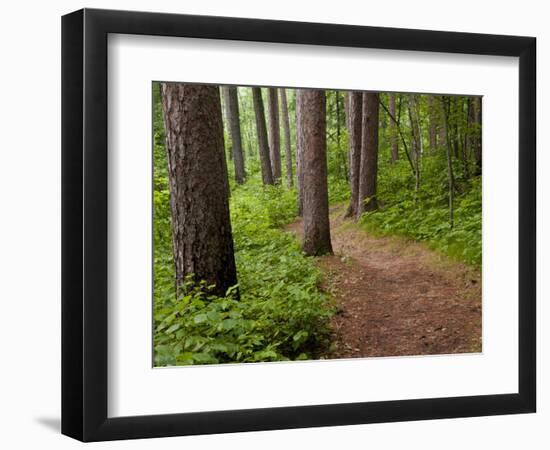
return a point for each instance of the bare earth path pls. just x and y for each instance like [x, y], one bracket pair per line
[397, 297]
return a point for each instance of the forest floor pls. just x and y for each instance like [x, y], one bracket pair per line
[396, 296]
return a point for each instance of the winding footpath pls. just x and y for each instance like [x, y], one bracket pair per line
[397, 297]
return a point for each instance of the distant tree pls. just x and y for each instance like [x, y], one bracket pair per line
[231, 101]
[416, 137]
[286, 134]
[473, 134]
[453, 125]
[393, 130]
[342, 155]
[314, 172]
[261, 131]
[369, 154]
[446, 110]
[247, 121]
[476, 142]
[354, 120]
[299, 152]
[348, 130]
[199, 197]
[432, 123]
[400, 131]
[274, 134]
[442, 132]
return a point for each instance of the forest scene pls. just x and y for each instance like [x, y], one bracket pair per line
[307, 224]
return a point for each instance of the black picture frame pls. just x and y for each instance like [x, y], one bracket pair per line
[84, 224]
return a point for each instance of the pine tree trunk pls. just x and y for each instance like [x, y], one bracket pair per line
[393, 131]
[315, 189]
[355, 114]
[261, 130]
[274, 134]
[368, 171]
[232, 112]
[286, 133]
[199, 197]
[299, 152]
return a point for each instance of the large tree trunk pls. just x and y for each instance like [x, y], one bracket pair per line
[286, 133]
[368, 171]
[355, 115]
[315, 207]
[261, 130]
[232, 112]
[393, 130]
[199, 197]
[274, 134]
[299, 152]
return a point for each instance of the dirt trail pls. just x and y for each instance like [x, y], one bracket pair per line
[397, 297]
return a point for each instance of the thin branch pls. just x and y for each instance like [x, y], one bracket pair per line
[400, 135]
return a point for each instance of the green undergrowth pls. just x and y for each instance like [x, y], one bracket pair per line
[424, 215]
[281, 314]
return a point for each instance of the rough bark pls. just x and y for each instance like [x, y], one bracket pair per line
[199, 197]
[299, 152]
[393, 130]
[232, 112]
[355, 114]
[261, 131]
[274, 134]
[286, 134]
[368, 171]
[315, 206]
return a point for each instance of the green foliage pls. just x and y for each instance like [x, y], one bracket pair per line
[281, 314]
[338, 190]
[424, 215]
[337, 140]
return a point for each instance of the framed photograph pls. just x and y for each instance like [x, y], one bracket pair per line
[273, 225]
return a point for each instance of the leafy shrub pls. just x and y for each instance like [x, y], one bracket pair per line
[424, 215]
[281, 314]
